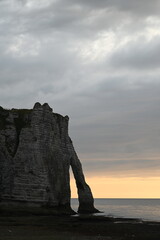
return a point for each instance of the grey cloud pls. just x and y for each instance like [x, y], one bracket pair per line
[71, 17]
[141, 54]
[145, 7]
[123, 124]
[138, 7]
[140, 165]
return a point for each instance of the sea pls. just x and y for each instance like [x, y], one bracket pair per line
[144, 209]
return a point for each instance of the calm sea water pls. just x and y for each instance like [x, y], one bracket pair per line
[146, 209]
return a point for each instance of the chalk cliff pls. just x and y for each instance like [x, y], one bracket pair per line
[36, 153]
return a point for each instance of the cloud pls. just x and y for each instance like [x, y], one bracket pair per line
[123, 168]
[144, 7]
[140, 54]
[122, 122]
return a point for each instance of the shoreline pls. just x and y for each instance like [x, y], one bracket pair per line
[145, 209]
[83, 227]
[125, 218]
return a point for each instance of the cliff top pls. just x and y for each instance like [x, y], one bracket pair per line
[20, 114]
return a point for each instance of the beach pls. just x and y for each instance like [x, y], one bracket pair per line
[85, 227]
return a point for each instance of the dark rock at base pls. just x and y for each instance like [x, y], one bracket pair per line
[86, 209]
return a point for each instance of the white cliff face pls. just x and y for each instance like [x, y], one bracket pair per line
[35, 156]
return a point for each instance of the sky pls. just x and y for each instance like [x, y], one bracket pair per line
[99, 63]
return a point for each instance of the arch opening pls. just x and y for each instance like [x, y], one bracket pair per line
[73, 189]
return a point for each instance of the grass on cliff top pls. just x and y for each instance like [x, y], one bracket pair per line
[19, 121]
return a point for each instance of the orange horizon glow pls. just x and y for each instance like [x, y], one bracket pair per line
[127, 187]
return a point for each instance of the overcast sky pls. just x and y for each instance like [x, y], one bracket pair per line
[97, 61]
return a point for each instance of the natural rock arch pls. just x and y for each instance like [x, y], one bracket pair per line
[35, 155]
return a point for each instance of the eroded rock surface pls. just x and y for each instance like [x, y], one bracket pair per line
[35, 156]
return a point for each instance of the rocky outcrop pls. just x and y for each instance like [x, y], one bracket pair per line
[35, 156]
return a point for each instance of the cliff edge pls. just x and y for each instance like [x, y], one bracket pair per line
[36, 153]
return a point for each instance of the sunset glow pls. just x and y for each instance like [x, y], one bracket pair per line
[121, 187]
